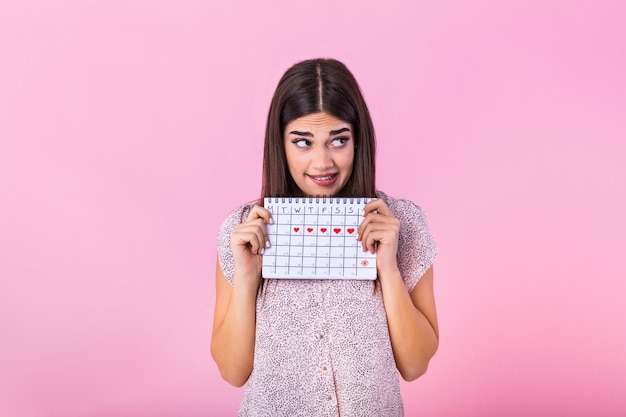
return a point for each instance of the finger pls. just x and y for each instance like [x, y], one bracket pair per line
[264, 214]
[371, 210]
[245, 237]
[369, 243]
[385, 231]
[372, 218]
[360, 234]
[260, 223]
[251, 234]
[255, 244]
[378, 206]
[369, 238]
[260, 212]
[374, 237]
[262, 231]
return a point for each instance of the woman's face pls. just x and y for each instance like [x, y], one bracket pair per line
[320, 153]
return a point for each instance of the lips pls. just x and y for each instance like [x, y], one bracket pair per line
[324, 179]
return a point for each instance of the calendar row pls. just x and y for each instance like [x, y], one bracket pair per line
[312, 230]
[314, 221]
[310, 241]
[319, 272]
[304, 262]
[318, 251]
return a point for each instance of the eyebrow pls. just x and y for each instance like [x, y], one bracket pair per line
[310, 135]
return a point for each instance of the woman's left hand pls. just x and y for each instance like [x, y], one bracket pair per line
[382, 227]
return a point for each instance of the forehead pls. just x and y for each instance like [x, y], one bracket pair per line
[316, 121]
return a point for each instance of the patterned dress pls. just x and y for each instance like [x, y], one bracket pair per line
[322, 346]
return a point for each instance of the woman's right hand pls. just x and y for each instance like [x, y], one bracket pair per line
[247, 242]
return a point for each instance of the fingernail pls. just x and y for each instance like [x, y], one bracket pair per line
[270, 222]
[262, 250]
[267, 244]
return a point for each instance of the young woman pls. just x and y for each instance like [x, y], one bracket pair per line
[324, 347]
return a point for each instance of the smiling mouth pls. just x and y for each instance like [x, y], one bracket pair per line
[324, 179]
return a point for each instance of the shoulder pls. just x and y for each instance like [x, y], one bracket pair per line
[234, 218]
[404, 209]
[224, 252]
[416, 246]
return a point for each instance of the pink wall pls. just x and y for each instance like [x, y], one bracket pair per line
[128, 129]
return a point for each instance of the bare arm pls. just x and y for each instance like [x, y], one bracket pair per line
[411, 317]
[234, 321]
[412, 321]
[232, 342]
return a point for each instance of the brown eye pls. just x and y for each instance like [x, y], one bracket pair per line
[340, 142]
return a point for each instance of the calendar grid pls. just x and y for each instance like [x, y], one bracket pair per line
[316, 238]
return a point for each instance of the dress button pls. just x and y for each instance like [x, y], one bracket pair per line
[321, 336]
[316, 304]
[329, 398]
[323, 368]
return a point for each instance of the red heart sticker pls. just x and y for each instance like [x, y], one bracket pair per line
[296, 229]
[350, 231]
[310, 229]
[337, 230]
[323, 230]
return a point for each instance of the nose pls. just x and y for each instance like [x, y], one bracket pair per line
[322, 159]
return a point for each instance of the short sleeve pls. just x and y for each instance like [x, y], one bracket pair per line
[416, 247]
[224, 251]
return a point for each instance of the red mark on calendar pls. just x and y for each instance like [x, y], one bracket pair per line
[296, 229]
[309, 229]
[337, 230]
[364, 262]
[323, 230]
[350, 231]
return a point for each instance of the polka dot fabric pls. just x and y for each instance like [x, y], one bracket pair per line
[322, 346]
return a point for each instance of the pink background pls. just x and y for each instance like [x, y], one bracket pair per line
[129, 129]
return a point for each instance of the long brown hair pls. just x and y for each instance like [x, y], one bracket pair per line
[313, 86]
